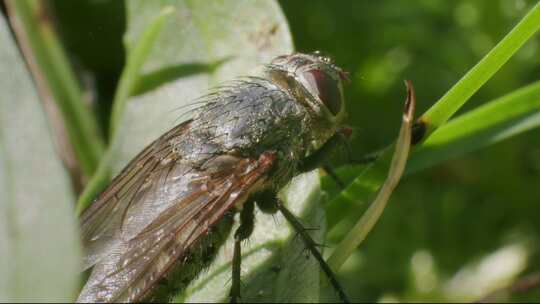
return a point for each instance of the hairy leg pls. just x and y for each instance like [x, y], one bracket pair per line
[243, 232]
[312, 247]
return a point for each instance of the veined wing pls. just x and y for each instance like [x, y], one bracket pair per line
[101, 223]
[196, 199]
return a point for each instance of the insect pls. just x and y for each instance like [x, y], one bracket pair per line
[144, 233]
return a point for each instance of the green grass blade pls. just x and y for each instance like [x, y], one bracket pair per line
[127, 82]
[98, 182]
[497, 120]
[41, 45]
[350, 202]
[452, 101]
[135, 61]
[359, 232]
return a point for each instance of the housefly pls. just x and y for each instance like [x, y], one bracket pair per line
[164, 215]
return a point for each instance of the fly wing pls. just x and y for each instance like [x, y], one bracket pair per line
[145, 237]
[101, 223]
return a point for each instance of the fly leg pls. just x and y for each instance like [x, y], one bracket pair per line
[242, 232]
[332, 173]
[318, 159]
[312, 247]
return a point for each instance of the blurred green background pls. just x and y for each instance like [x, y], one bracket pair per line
[452, 232]
[455, 218]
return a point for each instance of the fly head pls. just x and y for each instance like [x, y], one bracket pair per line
[317, 83]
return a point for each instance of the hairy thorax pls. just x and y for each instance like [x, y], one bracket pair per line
[246, 119]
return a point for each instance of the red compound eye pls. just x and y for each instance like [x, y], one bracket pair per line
[325, 87]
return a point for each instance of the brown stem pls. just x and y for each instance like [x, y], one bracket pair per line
[60, 138]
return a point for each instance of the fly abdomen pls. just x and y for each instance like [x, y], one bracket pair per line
[196, 258]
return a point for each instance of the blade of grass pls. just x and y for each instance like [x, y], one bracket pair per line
[99, 180]
[351, 200]
[128, 81]
[135, 60]
[452, 101]
[497, 120]
[359, 232]
[40, 44]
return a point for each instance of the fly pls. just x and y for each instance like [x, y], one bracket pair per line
[144, 233]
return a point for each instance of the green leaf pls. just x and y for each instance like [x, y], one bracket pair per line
[39, 249]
